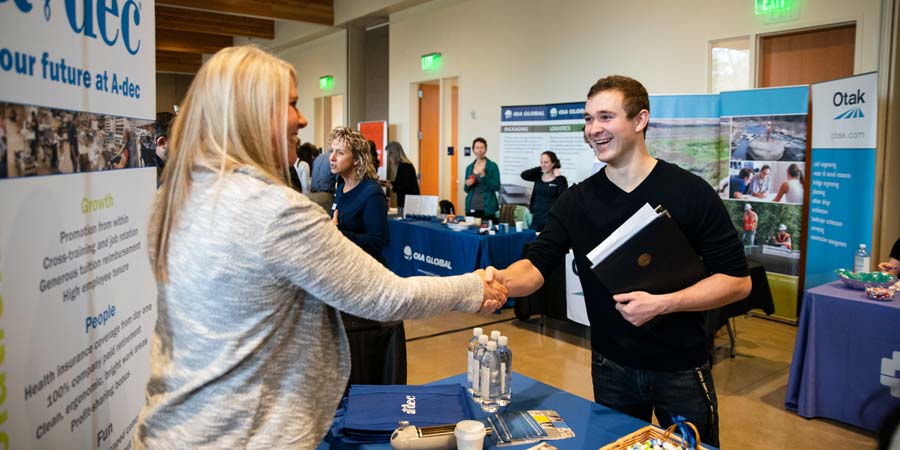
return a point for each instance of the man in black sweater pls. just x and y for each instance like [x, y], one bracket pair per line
[638, 370]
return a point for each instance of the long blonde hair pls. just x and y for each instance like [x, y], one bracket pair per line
[237, 102]
[359, 147]
[395, 157]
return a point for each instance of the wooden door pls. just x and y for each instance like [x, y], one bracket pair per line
[807, 57]
[429, 139]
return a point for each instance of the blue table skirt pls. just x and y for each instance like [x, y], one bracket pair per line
[430, 248]
[594, 425]
[846, 357]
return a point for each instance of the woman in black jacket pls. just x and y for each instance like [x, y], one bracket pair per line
[401, 173]
[548, 186]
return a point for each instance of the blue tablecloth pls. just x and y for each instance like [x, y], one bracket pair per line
[430, 248]
[594, 425]
[846, 358]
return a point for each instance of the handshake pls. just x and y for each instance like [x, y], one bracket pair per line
[495, 290]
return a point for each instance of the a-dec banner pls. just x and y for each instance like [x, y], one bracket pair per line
[842, 185]
[77, 297]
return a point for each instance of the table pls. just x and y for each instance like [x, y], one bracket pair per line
[846, 358]
[594, 425]
[430, 248]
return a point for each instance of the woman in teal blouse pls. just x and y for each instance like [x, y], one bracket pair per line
[482, 183]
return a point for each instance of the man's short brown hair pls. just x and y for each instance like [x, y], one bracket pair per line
[634, 93]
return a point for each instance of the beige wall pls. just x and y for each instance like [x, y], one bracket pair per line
[324, 56]
[509, 53]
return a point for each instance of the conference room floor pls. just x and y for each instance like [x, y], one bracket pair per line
[751, 387]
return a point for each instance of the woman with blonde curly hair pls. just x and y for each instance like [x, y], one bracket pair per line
[360, 206]
[248, 350]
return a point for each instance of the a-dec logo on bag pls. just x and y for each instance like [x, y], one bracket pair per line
[410, 406]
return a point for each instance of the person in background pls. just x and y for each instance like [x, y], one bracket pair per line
[762, 183]
[737, 186]
[482, 183]
[791, 189]
[892, 265]
[750, 222]
[162, 125]
[401, 173]
[300, 175]
[634, 370]
[373, 151]
[248, 350]
[323, 181]
[548, 186]
[360, 207]
[782, 238]
[360, 213]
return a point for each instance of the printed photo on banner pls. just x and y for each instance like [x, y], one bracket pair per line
[692, 144]
[771, 233]
[47, 141]
[763, 181]
[767, 138]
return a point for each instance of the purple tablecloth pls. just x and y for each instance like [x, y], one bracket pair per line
[846, 358]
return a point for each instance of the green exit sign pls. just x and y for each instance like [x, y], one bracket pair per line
[431, 62]
[326, 82]
[774, 7]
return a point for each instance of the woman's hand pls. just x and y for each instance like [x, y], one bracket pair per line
[334, 218]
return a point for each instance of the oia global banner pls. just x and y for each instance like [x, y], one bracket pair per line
[77, 177]
[842, 182]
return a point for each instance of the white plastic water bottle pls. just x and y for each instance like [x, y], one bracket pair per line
[495, 334]
[862, 261]
[505, 370]
[490, 378]
[476, 368]
[470, 374]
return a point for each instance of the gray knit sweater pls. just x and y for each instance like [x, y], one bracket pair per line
[248, 349]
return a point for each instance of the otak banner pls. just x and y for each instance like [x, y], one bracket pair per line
[77, 178]
[842, 185]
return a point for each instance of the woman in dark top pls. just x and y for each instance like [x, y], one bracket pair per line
[360, 207]
[892, 265]
[548, 186]
[482, 183]
[360, 213]
[401, 173]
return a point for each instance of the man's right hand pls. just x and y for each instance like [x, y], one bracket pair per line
[494, 293]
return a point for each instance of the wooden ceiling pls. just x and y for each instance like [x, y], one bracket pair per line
[185, 29]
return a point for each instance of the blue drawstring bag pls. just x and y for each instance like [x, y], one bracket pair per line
[372, 412]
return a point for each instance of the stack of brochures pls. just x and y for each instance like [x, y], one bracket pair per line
[525, 427]
[647, 253]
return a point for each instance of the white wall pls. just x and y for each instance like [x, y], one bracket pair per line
[534, 51]
[324, 56]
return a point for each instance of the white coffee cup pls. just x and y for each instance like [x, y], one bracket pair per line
[520, 225]
[469, 435]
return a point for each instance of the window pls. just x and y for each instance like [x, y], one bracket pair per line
[729, 64]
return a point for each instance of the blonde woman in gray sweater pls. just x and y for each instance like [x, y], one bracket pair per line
[248, 350]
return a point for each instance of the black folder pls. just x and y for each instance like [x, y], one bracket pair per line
[658, 260]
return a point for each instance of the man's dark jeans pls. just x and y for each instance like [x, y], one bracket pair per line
[636, 392]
